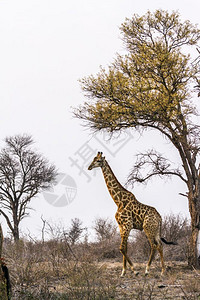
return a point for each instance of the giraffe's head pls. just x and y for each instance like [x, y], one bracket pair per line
[98, 161]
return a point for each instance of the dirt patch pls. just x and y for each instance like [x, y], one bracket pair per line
[179, 282]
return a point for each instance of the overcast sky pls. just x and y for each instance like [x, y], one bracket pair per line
[46, 46]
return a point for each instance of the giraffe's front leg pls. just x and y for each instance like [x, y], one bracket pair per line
[123, 250]
[124, 263]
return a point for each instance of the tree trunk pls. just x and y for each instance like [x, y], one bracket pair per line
[15, 230]
[194, 259]
[193, 255]
[16, 233]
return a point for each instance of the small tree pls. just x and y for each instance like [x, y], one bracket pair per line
[75, 231]
[104, 229]
[23, 174]
[175, 227]
[151, 87]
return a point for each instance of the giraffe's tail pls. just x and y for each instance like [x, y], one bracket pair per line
[168, 243]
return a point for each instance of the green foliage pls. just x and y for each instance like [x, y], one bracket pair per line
[150, 85]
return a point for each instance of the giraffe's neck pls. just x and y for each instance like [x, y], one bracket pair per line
[114, 187]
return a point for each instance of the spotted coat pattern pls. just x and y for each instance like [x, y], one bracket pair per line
[131, 214]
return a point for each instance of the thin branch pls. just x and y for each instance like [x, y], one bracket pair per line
[184, 195]
[7, 220]
[153, 164]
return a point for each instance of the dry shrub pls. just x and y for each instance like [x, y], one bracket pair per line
[108, 239]
[104, 229]
[55, 270]
[177, 229]
[107, 249]
[60, 269]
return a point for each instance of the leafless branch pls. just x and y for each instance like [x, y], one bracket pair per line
[23, 174]
[151, 164]
[184, 195]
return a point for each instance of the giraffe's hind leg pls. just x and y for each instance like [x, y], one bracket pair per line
[160, 250]
[151, 257]
[155, 243]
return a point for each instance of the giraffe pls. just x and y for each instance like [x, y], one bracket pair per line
[131, 214]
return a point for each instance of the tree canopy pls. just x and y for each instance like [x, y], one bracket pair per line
[151, 86]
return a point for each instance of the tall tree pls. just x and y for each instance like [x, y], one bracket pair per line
[23, 174]
[152, 87]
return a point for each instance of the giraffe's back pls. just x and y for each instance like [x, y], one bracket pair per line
[136, 213]
[142, 214]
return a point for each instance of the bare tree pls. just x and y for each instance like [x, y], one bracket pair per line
[104, 229]
[23, 174]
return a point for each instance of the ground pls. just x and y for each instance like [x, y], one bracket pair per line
[56, 271]
[179, 282]
[102, 280]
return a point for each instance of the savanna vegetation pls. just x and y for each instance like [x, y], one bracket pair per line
[59, 267]
[152, 86]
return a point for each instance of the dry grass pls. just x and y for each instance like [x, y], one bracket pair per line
[55, 270]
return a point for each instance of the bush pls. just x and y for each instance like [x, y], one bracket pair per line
[55, 270]
[105, 229]
[59, 269]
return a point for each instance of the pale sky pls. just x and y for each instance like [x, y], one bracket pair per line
[46, 46]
